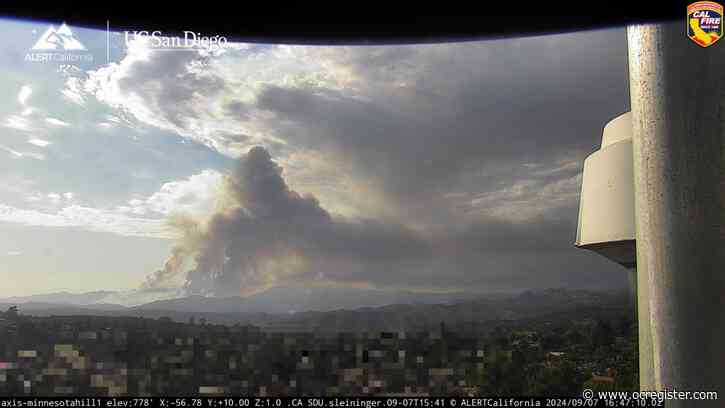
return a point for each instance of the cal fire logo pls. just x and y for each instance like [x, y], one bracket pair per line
[704, 22]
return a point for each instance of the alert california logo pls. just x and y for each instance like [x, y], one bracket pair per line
[704, 22]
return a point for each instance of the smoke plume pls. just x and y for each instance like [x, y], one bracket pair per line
[267, 234]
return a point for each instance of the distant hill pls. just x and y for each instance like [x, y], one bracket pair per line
[550, 305]
[555, 304]
[47, 308]
[292, 299]
[66, 298]
[281, 299]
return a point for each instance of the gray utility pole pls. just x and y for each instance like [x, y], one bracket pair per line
[678, 115]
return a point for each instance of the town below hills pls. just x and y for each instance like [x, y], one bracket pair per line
[553, 342]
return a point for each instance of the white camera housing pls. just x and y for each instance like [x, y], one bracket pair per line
[606, 207]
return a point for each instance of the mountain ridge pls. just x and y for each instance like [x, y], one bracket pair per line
[555, 303]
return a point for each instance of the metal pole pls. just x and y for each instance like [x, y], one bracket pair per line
[641, 303]
[639, 298]
[677, 94]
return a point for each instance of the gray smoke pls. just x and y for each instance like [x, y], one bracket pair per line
[268, 235]
[180, 254]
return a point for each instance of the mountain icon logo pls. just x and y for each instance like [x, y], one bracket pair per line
[60, 39]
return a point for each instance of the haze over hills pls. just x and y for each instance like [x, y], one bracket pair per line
[293, 299]
[407, 313]
[67, 298]
[551, 304]
[282, 299]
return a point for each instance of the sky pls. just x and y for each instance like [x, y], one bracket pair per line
[227, 171]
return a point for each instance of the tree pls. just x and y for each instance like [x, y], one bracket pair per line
[500, 337]
[603, 334]
[552, 341]
[624, 325]
[573, 336]
[12, 313]
[561, 380]
[503, 375]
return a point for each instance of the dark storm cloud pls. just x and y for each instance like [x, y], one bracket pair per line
[510, 118]
[237, 109]
[481, 109]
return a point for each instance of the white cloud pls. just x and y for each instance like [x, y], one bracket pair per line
[39, 142]
[14, 153]
[54, 198]
[50, 201]
[18, 122]
[33, 155]
[56, 122]
[562, 166]
[17, 154]
[93, 219]
[30, 119]
[73, 91]
[194, 196]
[203, 96]
[527, 198]
[24, 94]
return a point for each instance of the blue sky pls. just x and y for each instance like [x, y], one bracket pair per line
[57, 155]
[97, 158]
